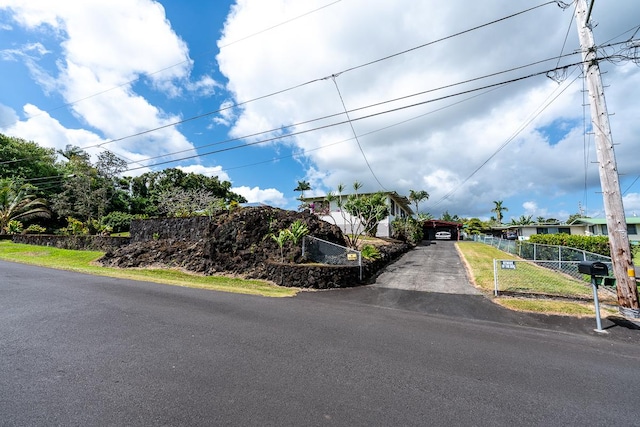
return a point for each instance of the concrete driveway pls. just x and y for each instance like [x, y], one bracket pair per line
[434, 267]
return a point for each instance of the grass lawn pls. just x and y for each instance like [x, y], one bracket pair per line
[530, 279]
[83, 262]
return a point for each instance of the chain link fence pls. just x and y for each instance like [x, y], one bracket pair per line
[539, 252]
[323, 252]
[550, 278]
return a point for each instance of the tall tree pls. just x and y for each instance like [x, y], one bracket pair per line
[17, 202]
[21, 159]
[498, 209]
[416, 196]
[302, 187]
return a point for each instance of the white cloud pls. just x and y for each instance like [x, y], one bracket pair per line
[632, 204]
[206, 170]
[474, 151]
[141, 43]
[269, 196]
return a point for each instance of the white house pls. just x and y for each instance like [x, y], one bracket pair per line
[398, 208]
[598, 227]
[579, 226]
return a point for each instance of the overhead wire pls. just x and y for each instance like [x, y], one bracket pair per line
[355, 135]
[283, 128]
[235, 105]
[404, 107]
[207, 52]
[238, 104]
[503, 145]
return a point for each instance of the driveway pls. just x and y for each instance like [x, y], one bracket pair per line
[434, 267]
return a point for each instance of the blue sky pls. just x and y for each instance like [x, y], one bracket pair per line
[158, 83]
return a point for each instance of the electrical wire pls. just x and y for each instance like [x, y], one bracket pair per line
[355, 135]
[283, 128]
[235, 105]
[210, 51]
[356, 119]
[502, 146]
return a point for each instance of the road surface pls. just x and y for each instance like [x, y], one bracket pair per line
[86, 350]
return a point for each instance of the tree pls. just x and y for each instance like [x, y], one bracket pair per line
[574, 217]
[20, 159]
[416, 197]
[360, 213]
[523, 220]
[446, 216]
[498, 209]
[17, 202]
[146, 188]
[302, 187]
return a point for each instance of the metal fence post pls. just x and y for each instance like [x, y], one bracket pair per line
[495, 277]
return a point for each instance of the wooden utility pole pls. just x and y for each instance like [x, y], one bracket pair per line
[621, 258]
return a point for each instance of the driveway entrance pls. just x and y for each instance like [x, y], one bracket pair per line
[435, 267]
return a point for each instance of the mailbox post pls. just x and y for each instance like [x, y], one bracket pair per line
[595, 269]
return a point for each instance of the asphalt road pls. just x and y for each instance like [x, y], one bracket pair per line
[86, 350]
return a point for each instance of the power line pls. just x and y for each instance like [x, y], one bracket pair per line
[235, 105]
[507, 142]
[356, 119]
[355, 135]
[282, 128]
[127, 83]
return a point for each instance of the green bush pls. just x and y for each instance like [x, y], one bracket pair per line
[120, 222]
[14, 227]
[370, 252]
[407, 229]
[35, 229]
[596, 244]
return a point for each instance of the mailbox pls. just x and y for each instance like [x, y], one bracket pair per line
[593, 268]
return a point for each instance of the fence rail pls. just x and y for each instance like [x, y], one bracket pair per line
[321, 251]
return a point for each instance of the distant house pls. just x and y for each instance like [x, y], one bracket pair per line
[580, 226]
[398, 208]
[598, 227]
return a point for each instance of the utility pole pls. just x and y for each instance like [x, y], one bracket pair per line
[621, 258]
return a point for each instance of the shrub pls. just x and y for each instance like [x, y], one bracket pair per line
[35, 229]
[370, 252]
[596, 244]
[14, 227]
[407, 229]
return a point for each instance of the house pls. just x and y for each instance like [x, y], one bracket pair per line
[598, 227]
[579, 226]
[398, 208]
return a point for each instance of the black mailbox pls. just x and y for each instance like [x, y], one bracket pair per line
[593, 268]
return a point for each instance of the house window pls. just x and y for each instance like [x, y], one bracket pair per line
[603, 227]
[631, 229]
[393, 208]
[542, 230]
[564, 230]
[592, 229]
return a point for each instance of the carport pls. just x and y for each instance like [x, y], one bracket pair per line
[432, 226]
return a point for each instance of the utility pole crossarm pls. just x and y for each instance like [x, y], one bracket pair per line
[621, 258]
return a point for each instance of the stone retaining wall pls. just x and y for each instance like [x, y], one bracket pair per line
[316, 276]
[192, 228]
[92, 243]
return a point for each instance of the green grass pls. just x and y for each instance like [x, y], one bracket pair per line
[83, 262]
[529, 279]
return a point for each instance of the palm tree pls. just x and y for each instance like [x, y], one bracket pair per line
[16, 203]
[416, 196]
[498, 209]
[302, 187]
